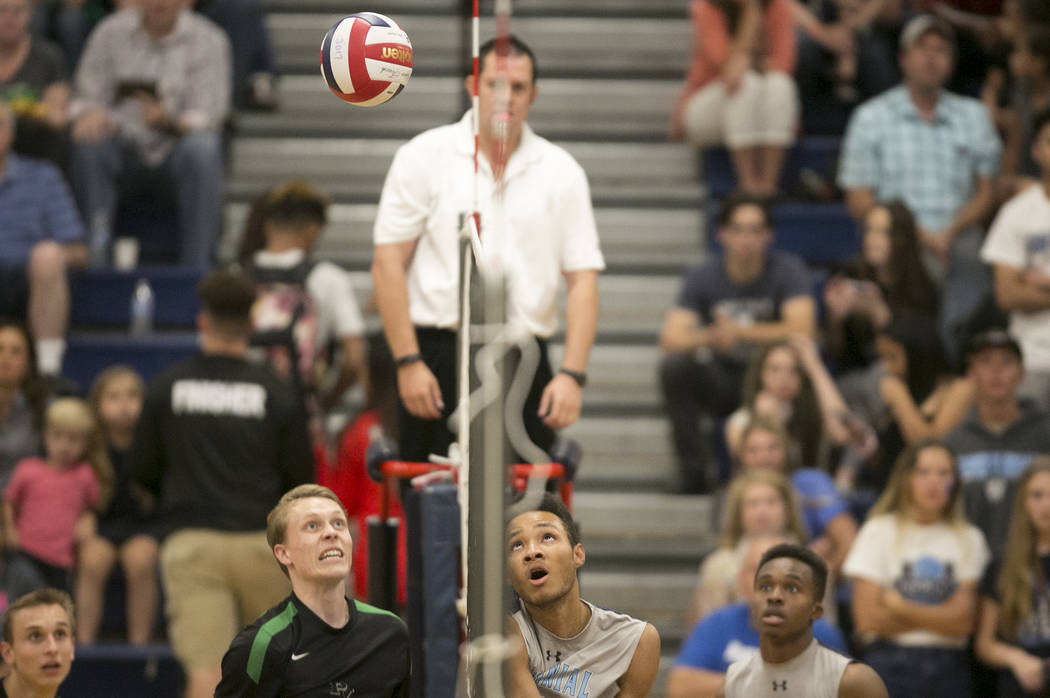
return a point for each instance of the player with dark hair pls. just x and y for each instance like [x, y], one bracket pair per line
[316, 642]
[570, 646]
[38, 644]
[789, 585]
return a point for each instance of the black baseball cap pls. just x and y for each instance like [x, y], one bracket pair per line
[993, 339]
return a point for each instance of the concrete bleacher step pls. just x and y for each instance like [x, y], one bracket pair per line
[616, 47]
[631, 239]
[619, 378]
[566, 108]
[660, 597]
[353, 169]
[630, 453]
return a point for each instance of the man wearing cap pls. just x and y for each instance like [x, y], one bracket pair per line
[999, 437]
[936, 151]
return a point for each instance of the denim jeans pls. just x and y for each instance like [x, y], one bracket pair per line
[195, 168]
[929, 672]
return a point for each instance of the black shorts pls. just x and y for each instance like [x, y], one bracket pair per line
[14, 291]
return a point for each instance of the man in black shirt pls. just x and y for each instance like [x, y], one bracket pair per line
[316, 642]
[219, 440]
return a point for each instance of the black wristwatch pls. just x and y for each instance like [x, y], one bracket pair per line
[408, 359]
[578, 376]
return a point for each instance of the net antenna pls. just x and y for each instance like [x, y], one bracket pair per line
[484, 421]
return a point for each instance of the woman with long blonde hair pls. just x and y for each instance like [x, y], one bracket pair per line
[761, 503]
[1013, 627]
[915, 566]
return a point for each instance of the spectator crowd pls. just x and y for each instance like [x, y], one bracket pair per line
[889, 411]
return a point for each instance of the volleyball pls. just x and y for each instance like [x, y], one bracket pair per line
[366, 59]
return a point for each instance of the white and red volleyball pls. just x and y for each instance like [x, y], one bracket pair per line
[366, 59]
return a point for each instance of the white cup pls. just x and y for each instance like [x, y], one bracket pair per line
[125, 253]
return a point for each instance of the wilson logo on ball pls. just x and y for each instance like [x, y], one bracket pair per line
[366, 59]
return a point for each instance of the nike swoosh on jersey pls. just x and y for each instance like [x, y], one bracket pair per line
[297, 657]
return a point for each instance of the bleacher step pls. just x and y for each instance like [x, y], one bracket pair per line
[353, 169]
[645, 47]
[592, 109]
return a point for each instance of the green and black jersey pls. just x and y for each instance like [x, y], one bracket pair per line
[289, 651]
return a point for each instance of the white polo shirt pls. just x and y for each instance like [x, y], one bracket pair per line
[545, 227]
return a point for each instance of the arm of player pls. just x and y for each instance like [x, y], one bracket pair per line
[798, 316]
[416, 385]
[519, 681]
[861, 681]
[953, 617]
[639, 677]
[243, 678]
[1026, 668]
[690, 682]
[562, 399]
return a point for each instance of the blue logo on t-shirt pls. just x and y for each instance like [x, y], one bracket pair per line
[564, 679]
[926, 580]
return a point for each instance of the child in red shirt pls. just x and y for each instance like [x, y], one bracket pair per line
[48, 503]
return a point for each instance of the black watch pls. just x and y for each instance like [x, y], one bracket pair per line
[408, 359]
[578, 376]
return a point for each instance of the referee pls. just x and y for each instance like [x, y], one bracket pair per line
[541, 230]
[316, 642]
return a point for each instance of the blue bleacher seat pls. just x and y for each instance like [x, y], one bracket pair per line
[817, 153]
[102, 297]
[821, 234]
[89, 353]
[122, 670]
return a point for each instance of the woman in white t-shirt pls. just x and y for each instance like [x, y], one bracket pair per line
[1013, 630]
[914, 567]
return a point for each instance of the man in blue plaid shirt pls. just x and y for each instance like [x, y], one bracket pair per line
[937, 152]
[40, 237]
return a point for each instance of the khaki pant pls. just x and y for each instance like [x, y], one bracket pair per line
[763, 110]
[216, 582]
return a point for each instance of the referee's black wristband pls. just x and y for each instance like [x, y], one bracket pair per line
[408, 359]
[578, 376]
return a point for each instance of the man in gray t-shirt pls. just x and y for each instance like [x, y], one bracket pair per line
[747, 296]
[999, 437]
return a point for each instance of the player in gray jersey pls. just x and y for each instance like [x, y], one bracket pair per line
[569, 647]
[789, 585]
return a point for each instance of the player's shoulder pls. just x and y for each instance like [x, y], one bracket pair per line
[860, 681]
[268, 635]
[380, 618]
[552, 154]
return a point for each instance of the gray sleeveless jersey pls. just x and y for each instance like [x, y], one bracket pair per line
[813, 674]
[587, 665]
